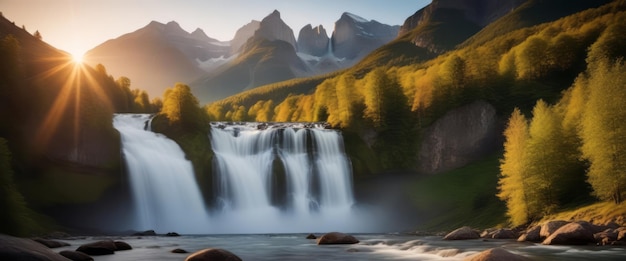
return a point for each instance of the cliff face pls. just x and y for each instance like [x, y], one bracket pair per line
[461, 136]
[355, 37]
[313, 40]
[273, 28]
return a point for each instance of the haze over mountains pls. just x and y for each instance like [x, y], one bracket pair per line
[159, 55]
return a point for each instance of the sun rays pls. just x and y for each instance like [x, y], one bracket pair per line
[71, 86]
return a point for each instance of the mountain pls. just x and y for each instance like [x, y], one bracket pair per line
[354, 37]
[272, 53]
[313, 40]
[242, 35]
[273, 28]
[443, 24]
[159, 55]
[268, 56]
[216, 69]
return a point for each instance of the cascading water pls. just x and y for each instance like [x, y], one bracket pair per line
[165, 193]
[281, 178]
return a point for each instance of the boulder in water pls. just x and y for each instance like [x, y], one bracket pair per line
[549, 227]
[213, 254]
[121, 245]
[179, 251]
[462, 233]
[99, 248]
[504, 233]
[13, 248]
[334, 238]
[50, 243]
[311, 236]
[172, 234]
[76, 256]
[496, 254]
[570, 234]
[531, 235]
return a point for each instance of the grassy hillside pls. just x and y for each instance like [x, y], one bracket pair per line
[462, 197]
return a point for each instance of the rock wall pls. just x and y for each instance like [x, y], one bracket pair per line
[459, 137]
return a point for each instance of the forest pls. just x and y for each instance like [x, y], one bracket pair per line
[558, 88]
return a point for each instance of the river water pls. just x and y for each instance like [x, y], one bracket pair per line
[371, 247]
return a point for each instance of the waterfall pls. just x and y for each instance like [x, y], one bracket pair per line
[277, 178]
[165, 193]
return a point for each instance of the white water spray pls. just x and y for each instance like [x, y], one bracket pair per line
[165, 193]
[312, 194]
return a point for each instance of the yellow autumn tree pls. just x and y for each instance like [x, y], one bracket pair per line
[604, 130]
[513, 172]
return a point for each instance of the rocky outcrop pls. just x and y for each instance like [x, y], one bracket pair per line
[459, 137]
[313, 40]
[501, 233]
[462, 233]
[570, 234]
[213, 254]
[531, 235]
[335, 238]
[311, 236]
[355, 37]
[496, 254]
[559, 232]
[273, 28]
[549, 227]
[13, 248]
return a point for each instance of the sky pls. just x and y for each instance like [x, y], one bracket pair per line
[76, 26]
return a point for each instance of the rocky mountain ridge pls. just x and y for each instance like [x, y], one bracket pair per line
[193, 58]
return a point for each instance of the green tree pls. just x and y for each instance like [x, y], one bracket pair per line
[513, 183]
[604, 130]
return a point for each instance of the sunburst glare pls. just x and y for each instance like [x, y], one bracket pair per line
[75, 78]
[77, 57]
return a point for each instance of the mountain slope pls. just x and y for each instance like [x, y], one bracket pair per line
[164, 48]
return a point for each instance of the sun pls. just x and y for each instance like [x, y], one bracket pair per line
[77, 57]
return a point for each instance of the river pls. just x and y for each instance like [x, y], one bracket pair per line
[371, 247]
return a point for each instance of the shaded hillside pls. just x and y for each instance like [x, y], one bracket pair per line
[56, 118]
[531, 13]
